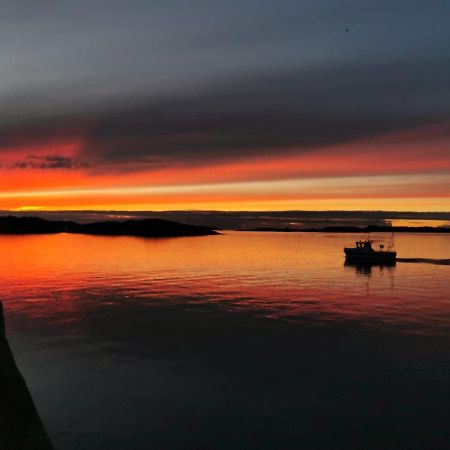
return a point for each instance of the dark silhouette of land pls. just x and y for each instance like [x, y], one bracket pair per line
[245, 220]
[20, 425]
[368, 229]
[168, 228]
[142, 228]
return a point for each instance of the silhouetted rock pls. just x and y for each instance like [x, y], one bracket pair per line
[143, 228]
[20, 425]
[33, 225]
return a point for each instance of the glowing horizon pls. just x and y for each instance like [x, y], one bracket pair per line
[344, 177]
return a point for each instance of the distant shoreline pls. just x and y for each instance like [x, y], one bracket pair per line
[154, 228]
[250, 220]
[368, 229]
[14, 225]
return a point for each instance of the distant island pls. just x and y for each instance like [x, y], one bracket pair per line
[350, 229]
[141, 228]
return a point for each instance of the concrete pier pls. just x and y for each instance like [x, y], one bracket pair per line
[20, 425]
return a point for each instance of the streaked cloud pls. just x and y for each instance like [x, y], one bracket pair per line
[47, 162]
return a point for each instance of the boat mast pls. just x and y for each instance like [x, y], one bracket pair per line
[391, 242]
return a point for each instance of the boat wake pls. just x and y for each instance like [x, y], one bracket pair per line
[442, 262]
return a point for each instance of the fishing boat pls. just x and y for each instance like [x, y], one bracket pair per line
[364, 252]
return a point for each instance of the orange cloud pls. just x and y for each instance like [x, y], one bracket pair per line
[325, 176]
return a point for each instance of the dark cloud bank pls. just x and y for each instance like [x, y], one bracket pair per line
[290, 112]
[157, 84]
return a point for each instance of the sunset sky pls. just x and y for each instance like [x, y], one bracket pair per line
[225, 105]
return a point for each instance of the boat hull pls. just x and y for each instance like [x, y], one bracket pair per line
[357, 254]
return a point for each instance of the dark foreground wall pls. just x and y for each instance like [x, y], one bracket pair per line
[20, 426]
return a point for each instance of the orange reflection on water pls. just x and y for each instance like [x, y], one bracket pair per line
[290, 275]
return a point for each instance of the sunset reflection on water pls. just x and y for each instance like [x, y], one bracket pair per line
[241, 340]
[278, 275]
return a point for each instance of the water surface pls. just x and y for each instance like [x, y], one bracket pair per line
[243, 340]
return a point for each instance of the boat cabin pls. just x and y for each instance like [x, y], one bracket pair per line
[364, 244]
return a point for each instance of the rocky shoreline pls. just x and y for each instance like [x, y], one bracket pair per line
[20, 425]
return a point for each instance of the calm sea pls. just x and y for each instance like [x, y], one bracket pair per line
[239, 341]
